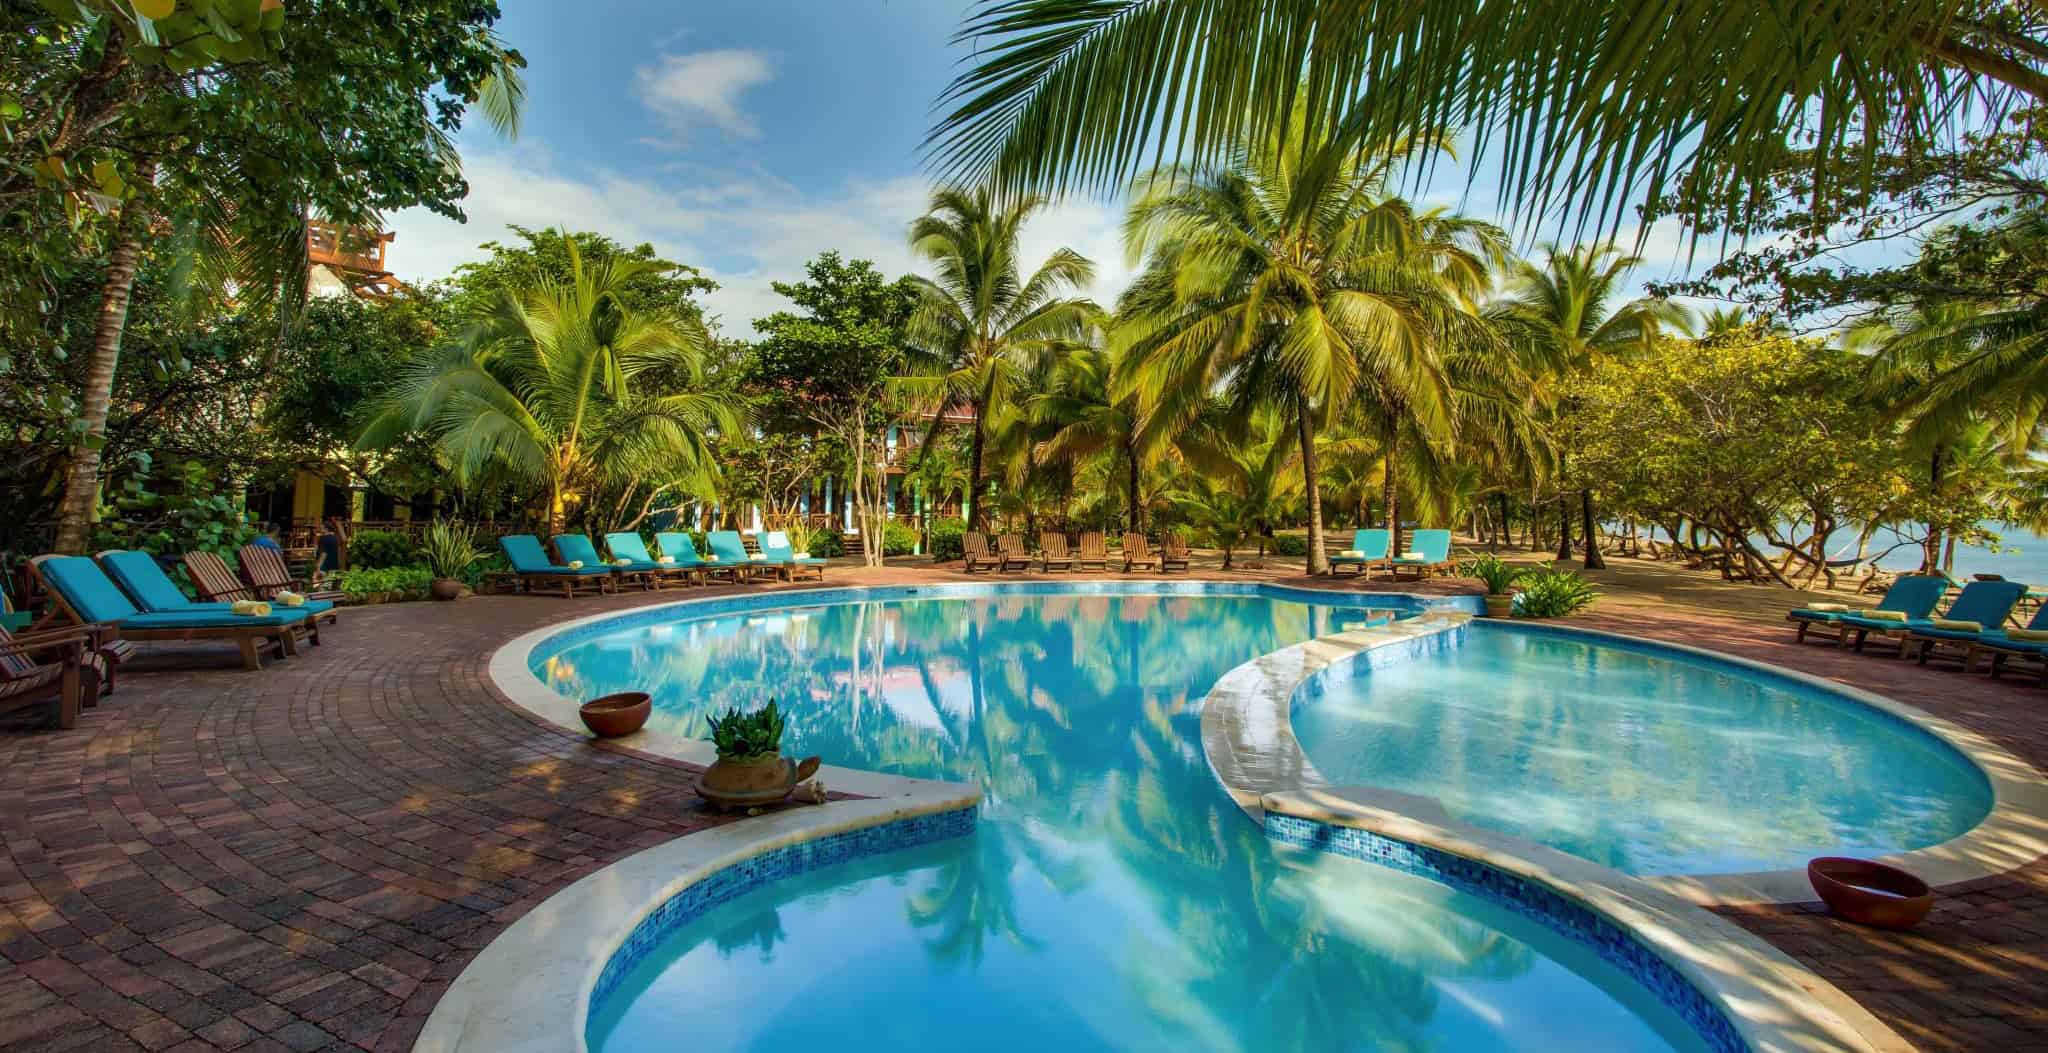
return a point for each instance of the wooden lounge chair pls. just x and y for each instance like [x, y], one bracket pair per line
[1368, 550]
[266, 572]
[1963, 646]
[1912, 595]
[730, 549]
[86, 596]
[143, 579]
[1093, 551]
[1173, 553]
[628, 545]
[1138, 552]
[1052, 552]
[218, 584]
[677, 545]
[59, 667]
[974, 550]
[776, 545]
[536, 571]
[1984, 602]
[1010, 553]
[1430, 555]
[576, 548]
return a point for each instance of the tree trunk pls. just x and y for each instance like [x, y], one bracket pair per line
[1564, 528]
[975, 516]
[558, 510]
[1132, 513]
[1930, 560]
[1507, 535]
[1317, 560]
[1592, 535]
[1390, 493]
[82, 475]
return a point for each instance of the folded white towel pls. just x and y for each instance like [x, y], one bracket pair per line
[251, 608]
[757, 555]
[1352, 553]
[575, 564]
[802, 555]
[622, 562]
[666, 559]
[1411, 555]
[289, 599]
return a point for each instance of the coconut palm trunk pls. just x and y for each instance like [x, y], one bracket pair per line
[1564, 528]
[1390, 495]
[1310, 469]
[82, 475]
[1592, 536]
[1134, 516]
[976, 519]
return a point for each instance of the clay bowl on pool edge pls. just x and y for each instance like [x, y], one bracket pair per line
[615, 715]
[1870, 893]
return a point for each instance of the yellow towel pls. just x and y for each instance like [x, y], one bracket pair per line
[1828, 608]
[622, 562]
[1411, 556]
[2031, 635]
[666, 559]
[1957, 625]
[575, 564]
[289, 599]
[1886, 616]
[251, 608]
[758, 555]
[711, 558]
[1352, 553]
[801, 555]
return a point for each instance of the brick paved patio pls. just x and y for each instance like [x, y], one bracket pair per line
[302, 859]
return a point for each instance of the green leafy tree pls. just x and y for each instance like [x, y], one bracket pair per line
[1083, 418]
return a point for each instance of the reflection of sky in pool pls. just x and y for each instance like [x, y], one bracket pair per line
[1639, 761]
[1112, 898]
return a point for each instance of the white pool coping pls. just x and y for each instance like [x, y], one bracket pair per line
[1248, 735]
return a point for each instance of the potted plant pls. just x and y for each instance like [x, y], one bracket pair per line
[1499, 579]
[450, 550]
[750, 770]
[800, 536]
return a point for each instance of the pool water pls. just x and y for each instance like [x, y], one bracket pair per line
[1111, 898]
[1648, 762]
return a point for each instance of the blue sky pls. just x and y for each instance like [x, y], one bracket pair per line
[745, 136]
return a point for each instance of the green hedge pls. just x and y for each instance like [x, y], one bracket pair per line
[386, 584]
[945, 536]
[898, 540]
[1288, 544]
[370, 549]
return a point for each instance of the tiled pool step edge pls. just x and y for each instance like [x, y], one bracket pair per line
[1739, 993]
[532, 988]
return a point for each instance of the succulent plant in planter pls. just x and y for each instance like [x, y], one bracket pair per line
[750, 770]
[450, 549]
[1498, 577]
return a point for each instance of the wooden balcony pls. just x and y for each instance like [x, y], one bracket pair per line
[356, 252]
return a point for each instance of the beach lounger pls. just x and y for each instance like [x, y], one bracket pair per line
[775, 544]
[728, 547]
[1962, 646]
[1913, 596]
[1094, 551]
[974, 551]
[85, 595]
[577, 548]
[1983, 602]
[628, 545]
[1173, 553]
[57, 667]
[217, 583]
[1429, 554]
[1368, 550]
[536, 571]
[1138, 552]
[1052, 552]
[677, 545]
[143, 579]
[263, 567]
[1010, 553]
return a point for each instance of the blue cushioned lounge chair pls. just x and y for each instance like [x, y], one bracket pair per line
[576, 548]
[1956, 645]
[729, 548]
[1371, 546]
[143, 579]
[776, 544]
[629, 545]
[536, 571]
[85, 595]
[1913, 595]
[1435, 549]
[677, 544]
[1984, 602]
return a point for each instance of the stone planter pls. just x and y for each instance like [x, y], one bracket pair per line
[751, 782]
[445, 589]
[1500, 605]
[615, 715]
[1870, 893]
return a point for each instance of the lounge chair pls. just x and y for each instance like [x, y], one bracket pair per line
[1913, 596]
[1094, 550]
[1368, 550]
[85, 595]
[576, 548]
[1010, 553]
[59, 667]
[218, 584]
[263, 567]
[1052, 552]
[1431, 553]
[1173, 553]
[1963, 646]
[678, 546]
[1983, 602]
[536, 571]
[628, 545]
[775, 544]
[728, 547]
[1138, 552]
[143, 579]
[974, 551]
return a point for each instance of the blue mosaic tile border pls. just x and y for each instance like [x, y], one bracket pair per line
[710, 608]
[1360, 663]
[766, 869]
[1529, 899]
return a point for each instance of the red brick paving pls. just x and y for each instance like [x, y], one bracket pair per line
[304, 858]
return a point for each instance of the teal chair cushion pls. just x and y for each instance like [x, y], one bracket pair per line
[576, 548]
[211, 619]
[143, 579]
[86, 589]
[677, 545]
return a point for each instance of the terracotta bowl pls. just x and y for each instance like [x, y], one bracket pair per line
[615, 715]
[1870, 893]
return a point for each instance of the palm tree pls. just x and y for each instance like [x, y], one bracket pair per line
[1086, 420]
[1564, 313]
[1288, 278]
[980, 325]
[542, 390]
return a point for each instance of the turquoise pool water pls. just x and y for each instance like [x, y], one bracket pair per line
[1111, 898]
[1645, 761]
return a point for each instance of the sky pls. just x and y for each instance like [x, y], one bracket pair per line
[744, 137]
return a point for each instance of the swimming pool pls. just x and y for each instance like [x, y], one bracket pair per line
[1640, 758]
[1110, 897]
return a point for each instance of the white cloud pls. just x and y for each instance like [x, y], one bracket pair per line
[701, 87]
[743, 230]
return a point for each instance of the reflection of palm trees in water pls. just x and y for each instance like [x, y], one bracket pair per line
[762, 931]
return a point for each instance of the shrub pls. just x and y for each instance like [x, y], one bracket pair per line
[370, 549]
[898, 540]
[945, 538]
[1288, 544]
[489, 563]
[1492, 570]
[828, 544]
[450, 549]
[1548, 592]
[386, 584]
[742, 735]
